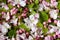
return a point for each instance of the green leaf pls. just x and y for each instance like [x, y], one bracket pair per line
[3, 9]
[58, 0]
[11, 33]
[58, 5]
[48, 0]
[33, 12]
[23, 26]
[39, 25]
[52, 34]
[1, 0]
[5, 1]
[36, 6]
[52, 24]
[31, 5]
[58, 18]
[10, 6]
[36, 1]
[58, 39]
[45, 30]
[43, 16]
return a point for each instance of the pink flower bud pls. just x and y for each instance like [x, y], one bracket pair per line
[23, 15]
[55, 21]
[37, 37]
[18, 5]
[36, 15]
[44, 23]
[53, 1]
[49, 20]
[17, 32]
[13, 11]
[59, 36]
[26, 9]
[3, 13]
[20, 31]
[23, 30]
[9, 1]
[27, 34]
[45, 3]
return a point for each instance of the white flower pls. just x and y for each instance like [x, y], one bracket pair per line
[21, 2]
[2, 37]
[58, 23]
[5, 6]
[23, 36]
[6, 16]
[41, 7]
[36, 15]
[6, 25]
[51, 30]
[47, 8]
[13, 38]
[33, 20]
[26, 20]
[47, 38]
[54, 3]
[53, 14]
[14, 20]
[30, 38]
[17, 37]
[31, 17]
[33, 28]
[4, 30]
[34, 35]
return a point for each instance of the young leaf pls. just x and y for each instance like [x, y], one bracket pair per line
[33, 12]
[44, 16]
[10, 6]
[39, 25]
[23, 26]
[31, 5]
[45, 30]
[36, 6]
[36, 1]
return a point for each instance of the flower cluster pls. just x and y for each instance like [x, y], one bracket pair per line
[29, 19]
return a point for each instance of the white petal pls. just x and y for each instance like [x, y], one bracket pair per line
[53, 14]
[13, 38]
[41, 7]
[51, 30]
[58, 23]
[30, 38]
[22, 3]
[35, 21]
[4, 30]
[23, 36]
[31, 17]
[6, 25]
